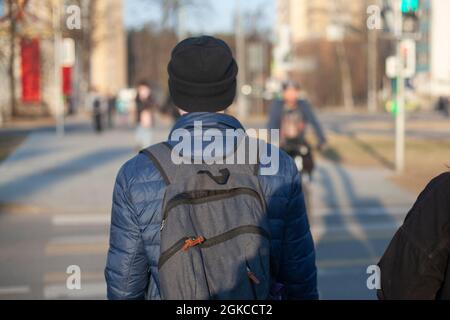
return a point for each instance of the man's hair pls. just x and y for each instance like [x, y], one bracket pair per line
[290, 84]
[143, 83]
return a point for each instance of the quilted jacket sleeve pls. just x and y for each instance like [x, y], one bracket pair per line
[297, 267]
[126, 270]
[312, 119]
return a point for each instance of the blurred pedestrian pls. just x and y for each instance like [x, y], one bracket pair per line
[145, 114]
[112, 102]
[144, 99]
[144, 132]
[97, 106]
[126, 108]
[416, 264]
[69, 105]
[222, 242]
[443, 105]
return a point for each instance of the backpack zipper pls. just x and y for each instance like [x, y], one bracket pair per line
[253, 281]
[184, 199]
[207, 243]
[252, 276]
[166, 255]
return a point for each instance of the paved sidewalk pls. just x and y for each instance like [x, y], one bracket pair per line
[55, 203]
[76, 172]
[56, 199]
[355, 213]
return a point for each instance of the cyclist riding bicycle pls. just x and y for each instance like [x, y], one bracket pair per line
[291, 115]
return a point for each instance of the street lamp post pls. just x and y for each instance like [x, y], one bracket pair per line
[372, 57]
[240, 54]
[12, 56]
[400, 96]
[56, 9]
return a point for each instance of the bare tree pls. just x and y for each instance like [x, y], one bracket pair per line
[15, 15]
[173, 12]
[12, 12]
[149, 47]
[343, 22]
[148, 54]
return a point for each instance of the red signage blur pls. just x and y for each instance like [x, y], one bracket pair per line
[67, 80]
[31, 75]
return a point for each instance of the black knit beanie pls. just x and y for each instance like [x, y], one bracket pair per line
[202, 75]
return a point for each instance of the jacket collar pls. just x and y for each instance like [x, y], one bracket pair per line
[209, 120]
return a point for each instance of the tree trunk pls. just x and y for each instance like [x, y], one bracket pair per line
[372, 57]
[12, 58]
[347, 88]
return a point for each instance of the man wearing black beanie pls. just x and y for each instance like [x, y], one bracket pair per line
[202, 75]
[241, 234]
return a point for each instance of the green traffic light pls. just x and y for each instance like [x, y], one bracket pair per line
[394, 108]
[409, 6]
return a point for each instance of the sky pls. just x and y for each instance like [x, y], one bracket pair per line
[215, 16]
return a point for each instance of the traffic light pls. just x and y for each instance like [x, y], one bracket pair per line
[410, 6]
[410, 11]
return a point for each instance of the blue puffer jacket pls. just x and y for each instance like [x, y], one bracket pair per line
[131, 271]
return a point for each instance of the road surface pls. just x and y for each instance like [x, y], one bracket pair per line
[55, 200]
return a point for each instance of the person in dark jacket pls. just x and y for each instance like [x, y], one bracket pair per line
[144, 100]
[416, 264]
[291, 101]
[202, 83]
[112, 101]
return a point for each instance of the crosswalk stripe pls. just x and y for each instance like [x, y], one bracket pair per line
[55, 249]
[81, 220]
[95, 290]
[345, 263]
[354, 230]
[360, 211]
[104, 219]
[98, 244]
[80, 239]
[347, 227]
[61, 277]
[15, 290]
[321, 239]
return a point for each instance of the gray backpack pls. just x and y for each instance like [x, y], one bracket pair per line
[215, 240]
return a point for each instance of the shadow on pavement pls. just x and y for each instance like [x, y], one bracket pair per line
[349, 241]
[27, 185]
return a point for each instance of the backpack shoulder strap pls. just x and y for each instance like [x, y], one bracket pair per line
[159, 154]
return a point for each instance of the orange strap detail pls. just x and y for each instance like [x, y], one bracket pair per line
[253, 278]
[189, 243]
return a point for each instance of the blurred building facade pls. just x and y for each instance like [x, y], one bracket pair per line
[324, 44]
[109, 53]
[313, 19]
[316, 40]
[27, 61]
[42, 83]
[433, 50]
